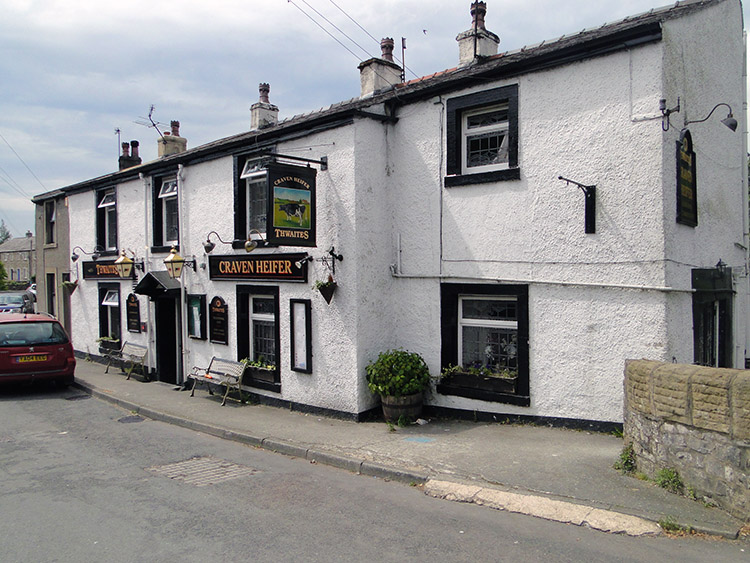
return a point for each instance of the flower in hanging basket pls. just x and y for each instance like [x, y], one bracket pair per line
[70, 285]
[326, 288]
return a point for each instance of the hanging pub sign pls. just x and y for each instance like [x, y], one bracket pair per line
[687, 204]
[259, 267]
[291, 205]
[218, 321]
[100, 270]
[133, 313]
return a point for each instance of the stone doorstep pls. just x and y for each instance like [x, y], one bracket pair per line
[542, 507]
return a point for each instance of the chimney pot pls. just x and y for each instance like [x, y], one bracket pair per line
[264, 90]
[126, 149]
[386, 47]
[175, 128]
[478, 11]
[134, 146]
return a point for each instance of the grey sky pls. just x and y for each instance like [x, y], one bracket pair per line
[73, 71]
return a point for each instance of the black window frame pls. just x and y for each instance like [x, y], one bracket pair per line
[201, 313]
[50, 222]
[244, 293]
[455, 110]
[157, 206]
[101, 223]
[449, 323]
[713, 340]
[105, 322]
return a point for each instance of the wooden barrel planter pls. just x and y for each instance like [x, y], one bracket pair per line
[409, 406]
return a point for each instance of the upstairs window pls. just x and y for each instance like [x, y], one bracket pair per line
[170, 212]
[485, 140]
[106, 220]
[50, 217]
[482, 137]
[256, 196]
[166, 217]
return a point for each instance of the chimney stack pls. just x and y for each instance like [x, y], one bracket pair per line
[263, 113]
[477, 42]
[379, 74]
[172, 143]
[127, 160]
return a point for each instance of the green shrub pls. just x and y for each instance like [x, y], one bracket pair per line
[669, 479]
[396, 373]
[627, 462]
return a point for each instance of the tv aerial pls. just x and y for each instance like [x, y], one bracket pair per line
[151, 124]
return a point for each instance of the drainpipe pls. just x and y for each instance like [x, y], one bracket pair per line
[184, 352]
[150, 327]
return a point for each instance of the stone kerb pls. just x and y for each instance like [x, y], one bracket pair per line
[694, 419]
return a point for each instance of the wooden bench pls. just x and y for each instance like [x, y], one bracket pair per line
[219, 372]
[132, 354]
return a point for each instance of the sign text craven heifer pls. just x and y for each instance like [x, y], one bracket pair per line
[291, 205]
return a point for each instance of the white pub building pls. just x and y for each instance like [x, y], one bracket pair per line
[545, 214]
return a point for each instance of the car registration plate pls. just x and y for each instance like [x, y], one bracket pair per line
[32, 358]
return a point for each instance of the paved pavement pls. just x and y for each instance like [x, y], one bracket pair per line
[553, 473]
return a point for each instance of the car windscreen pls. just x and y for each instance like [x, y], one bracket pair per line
[11, 300]
[31, 334]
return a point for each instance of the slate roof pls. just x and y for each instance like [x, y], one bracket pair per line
[17, 244]
[587, 43]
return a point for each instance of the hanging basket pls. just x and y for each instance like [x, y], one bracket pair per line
[327, 291]
[70, 286]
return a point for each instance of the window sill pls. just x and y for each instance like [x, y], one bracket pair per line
[483, 177]
[164, 249]
[455, 388]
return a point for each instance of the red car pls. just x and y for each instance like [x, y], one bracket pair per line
[34, 347]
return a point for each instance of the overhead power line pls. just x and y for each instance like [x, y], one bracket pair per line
[22, 162]
[371, 36]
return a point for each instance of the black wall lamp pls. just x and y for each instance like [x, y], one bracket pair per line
[208, 246]
[95, 255]
[124, 265]
[729, 120]
[589, 193]
[303, 261]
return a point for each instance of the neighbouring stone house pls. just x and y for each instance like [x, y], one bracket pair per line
[19, 258]
[544, 213]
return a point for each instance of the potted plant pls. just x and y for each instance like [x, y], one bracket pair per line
[499, 380]
[326, 288]
[107, 344]
[259, 369]
[400, 378]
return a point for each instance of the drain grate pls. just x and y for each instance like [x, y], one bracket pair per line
[202, 471]
[127, 419]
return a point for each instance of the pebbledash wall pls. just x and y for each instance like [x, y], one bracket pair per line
[696, 420]
[411, 234]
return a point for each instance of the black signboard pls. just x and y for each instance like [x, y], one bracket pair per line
[133, 312]
[218, 320]
[687, 182]
[265, 267]
[291, 205]
[100, 270]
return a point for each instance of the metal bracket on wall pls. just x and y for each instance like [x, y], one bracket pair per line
[590, 198]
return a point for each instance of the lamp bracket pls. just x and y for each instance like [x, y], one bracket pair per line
[323, 162]
[589, 193]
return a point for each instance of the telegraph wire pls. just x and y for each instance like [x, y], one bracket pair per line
[324, 29]
[12, 183]
[334, 26]
[371, 36]
[22, 162]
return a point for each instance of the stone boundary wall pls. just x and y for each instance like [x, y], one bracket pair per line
[696, 420]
